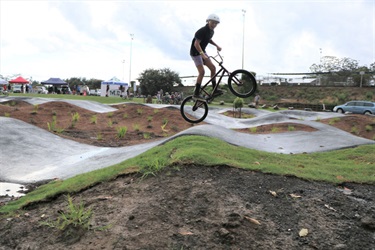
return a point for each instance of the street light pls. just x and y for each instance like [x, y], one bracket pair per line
[123, 70]
[130, 62]
[243, 38]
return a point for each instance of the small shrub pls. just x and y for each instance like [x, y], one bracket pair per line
[7, 114]
[149, 118]
[333, 120]
[274, 130]
[139, 111]
[125, 116]
[146, 135]
[110, 114]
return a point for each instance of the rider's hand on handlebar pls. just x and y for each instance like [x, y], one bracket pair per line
[218, 48]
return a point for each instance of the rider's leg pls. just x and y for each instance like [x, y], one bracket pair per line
[198, 83]
[212, 69]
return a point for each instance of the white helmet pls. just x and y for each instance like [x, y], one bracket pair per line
[213, 17]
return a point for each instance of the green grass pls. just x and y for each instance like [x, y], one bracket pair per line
[347, 165]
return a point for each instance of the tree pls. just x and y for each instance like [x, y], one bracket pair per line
[344, 71]
[238, 104]
[152, 80]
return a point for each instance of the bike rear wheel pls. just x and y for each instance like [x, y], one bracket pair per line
[193, 111]
[242, 83]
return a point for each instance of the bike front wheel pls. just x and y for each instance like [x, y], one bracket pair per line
[193, 111]
[242, 83]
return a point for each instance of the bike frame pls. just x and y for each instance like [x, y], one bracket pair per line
[223, 71]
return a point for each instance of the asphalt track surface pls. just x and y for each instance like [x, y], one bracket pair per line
[29, 154]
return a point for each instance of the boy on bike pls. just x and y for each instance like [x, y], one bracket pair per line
[198, 53]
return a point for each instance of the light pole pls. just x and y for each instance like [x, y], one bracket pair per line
[123, 70]
[130, 62]
[243, 38]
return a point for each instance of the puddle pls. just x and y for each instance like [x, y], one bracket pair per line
[12, 189]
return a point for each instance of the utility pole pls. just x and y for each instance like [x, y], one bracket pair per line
[243, 38]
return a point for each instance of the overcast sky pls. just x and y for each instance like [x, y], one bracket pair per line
[91, 39]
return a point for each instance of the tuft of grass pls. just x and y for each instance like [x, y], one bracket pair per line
[121, 132]
[153, 169]
[291, 128]
[146, 135]
[110, 123]
[136, 127]
[149, 118]
[35, 109]
[274, 130]
[99, 136]
[125, 116]
[253, 129]
[368, 128]
[333, 120]
[75, 119]
[110, 114]
[7, 114]
[139, 111]
[354, 130]
[94, 119]
[76, 217]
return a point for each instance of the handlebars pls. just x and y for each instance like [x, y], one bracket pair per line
[218, 55]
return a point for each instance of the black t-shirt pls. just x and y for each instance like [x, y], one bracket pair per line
[205, 35]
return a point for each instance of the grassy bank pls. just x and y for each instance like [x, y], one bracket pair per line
[348, 165]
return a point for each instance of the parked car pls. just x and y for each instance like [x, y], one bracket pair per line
[17, 88]
[41, 90]
[356, 107]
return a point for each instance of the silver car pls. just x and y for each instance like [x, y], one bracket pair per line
[356, 107]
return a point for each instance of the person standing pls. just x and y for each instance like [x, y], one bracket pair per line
[256, 100]
[201, 39]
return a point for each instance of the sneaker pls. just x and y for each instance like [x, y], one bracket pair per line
[218, 92]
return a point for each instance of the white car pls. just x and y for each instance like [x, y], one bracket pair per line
[41, 90]
[17, 88]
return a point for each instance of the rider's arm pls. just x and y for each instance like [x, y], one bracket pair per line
[217, 46]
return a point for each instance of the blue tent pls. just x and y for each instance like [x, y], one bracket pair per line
[54, 81]
[113, 86]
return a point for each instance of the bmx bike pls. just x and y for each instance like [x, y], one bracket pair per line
[240, 82]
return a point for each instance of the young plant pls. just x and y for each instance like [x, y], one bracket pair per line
[110, 114]
[140, 111]
[110, 123]
[99, 136]
[136, 127]
[149, 118]
[35, 109]
[152, 169]
[121, 132]
[125, 116]
[52, 125]
[75, 118]
[76, 217]
[368, 128]
[253, 129]
[94, 119]
[291, 128]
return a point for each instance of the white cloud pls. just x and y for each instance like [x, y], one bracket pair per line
[43, 39]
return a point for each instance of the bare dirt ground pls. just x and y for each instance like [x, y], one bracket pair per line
[191, 207]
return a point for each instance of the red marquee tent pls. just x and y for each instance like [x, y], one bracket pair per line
[20, 80]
